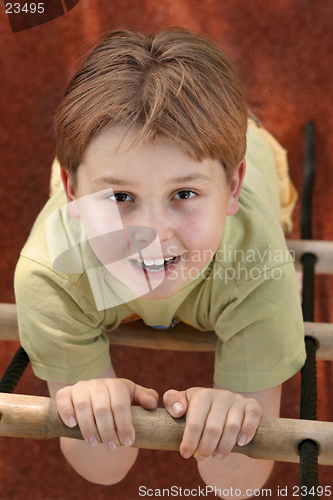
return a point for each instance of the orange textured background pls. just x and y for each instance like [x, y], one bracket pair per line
[283, 53]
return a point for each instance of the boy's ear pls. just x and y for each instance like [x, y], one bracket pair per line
[235, 187]
[73, 209]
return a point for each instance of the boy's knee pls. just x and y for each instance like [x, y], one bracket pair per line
[98, 465]
[103, 480]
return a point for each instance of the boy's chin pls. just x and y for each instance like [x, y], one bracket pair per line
[162, 292]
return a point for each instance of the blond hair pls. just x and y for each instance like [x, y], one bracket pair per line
[174, 85]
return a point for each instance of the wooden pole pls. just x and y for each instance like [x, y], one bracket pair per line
[182, 337]
[8, 322]
[322, 249]
[36, 417]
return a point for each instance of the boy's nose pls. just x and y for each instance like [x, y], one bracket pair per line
[145, 242]
[157, 220]
[143, 234]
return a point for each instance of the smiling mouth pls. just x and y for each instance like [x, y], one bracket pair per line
[154, 265]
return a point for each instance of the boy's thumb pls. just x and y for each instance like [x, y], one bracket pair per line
[147, 398]
[175, 403]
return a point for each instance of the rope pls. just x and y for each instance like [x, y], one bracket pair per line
[308, 176]
[309, 383]
[309, 473]
[308, 449]
[14, 371]
[309, 468]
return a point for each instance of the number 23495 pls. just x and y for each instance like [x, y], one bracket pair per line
[32, 8]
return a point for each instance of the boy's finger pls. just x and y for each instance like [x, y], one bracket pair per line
[195, 423]
[101, 404]
[240, 426]
[253, 414]
[82, 402]
[121, 410]
[231, 431]
[175, 402]
[147, 398]
[213, 430]
[65, 406]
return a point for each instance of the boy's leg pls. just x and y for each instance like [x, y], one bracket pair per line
[287, 193]
[98, 464]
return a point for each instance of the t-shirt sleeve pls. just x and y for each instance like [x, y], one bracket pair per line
[59, 327]
[260, 333]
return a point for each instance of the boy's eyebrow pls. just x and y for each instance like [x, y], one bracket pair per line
[109, 179]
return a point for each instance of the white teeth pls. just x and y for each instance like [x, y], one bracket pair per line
[159, 262]
[156, 262]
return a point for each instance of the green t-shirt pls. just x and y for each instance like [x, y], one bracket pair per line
[247, 294]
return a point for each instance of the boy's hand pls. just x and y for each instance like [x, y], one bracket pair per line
[215, 420]
[102, 409]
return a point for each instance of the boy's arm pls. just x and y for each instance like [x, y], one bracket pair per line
[236, 470]
[97, 463]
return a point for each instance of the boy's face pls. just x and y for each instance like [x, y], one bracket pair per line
[151, 201]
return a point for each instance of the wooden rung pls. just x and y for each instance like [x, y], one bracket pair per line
[276, 439]
[8, 322]
[186, 338]
[322, 249]
[182, 337]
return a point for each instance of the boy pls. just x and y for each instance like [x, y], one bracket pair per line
[151, 143]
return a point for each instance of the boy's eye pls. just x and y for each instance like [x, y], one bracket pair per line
[121, 196]
[186, 193]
